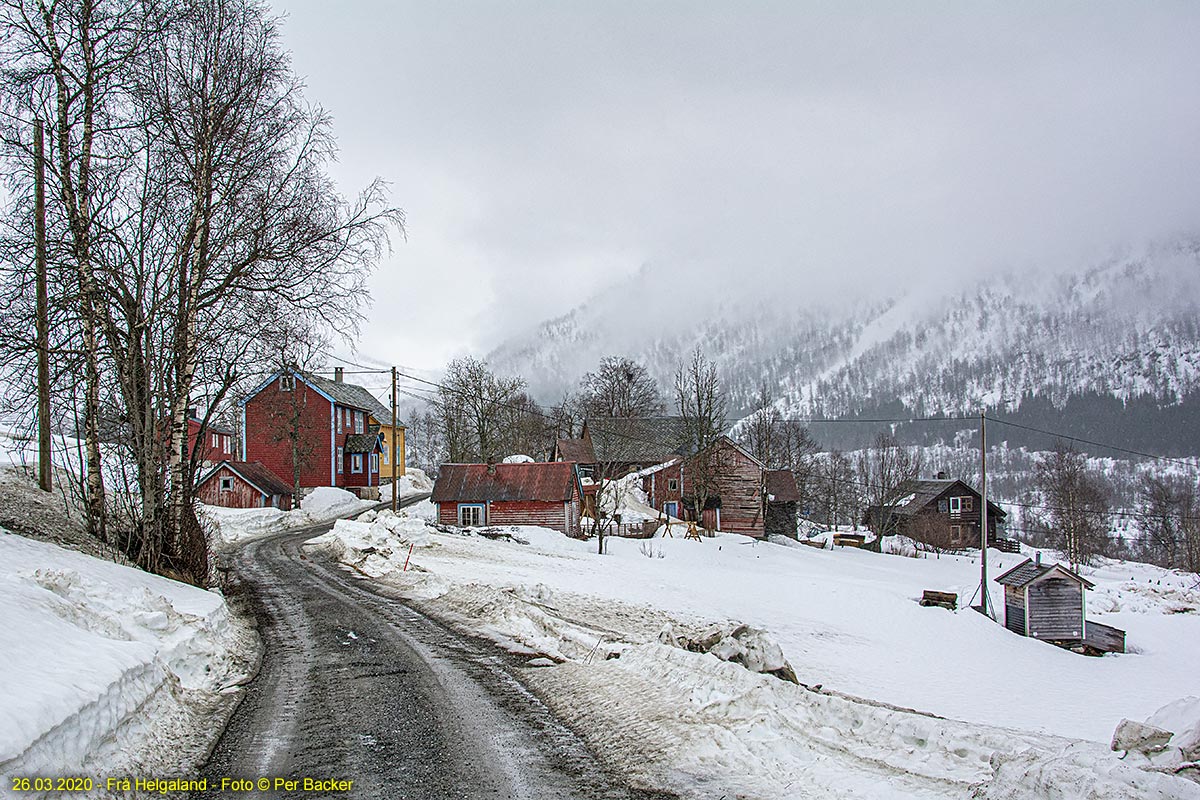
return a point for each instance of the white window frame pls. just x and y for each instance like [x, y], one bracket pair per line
[374, 462]
[341, 460]
[356, 463]
[339, 420]
[226, 484]
[955, 505]
[672, 484]
[227, 445]
[956, 534]
[384, 452]
[476, 515]
[358, 421]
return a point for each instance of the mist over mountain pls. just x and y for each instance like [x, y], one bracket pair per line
[1111, 351]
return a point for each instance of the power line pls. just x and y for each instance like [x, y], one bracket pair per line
[1184, 462]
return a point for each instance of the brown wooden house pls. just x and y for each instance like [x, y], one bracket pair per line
[737, 488]
[238, 484]
[548, 494]
[942, 502]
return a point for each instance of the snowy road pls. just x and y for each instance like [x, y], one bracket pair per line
[355, 686]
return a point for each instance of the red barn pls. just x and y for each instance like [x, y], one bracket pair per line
[323, 427]
[236, 484]
[212, 441]
[548, 494]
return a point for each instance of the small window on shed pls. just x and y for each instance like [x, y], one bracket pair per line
[943, 506]
[287, 383]
[968, 503]
[226, 484]
[672, 484]
[956, 505]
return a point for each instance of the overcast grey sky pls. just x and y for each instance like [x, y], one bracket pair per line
[544, 151]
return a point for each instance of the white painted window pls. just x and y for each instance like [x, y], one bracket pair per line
[956, 505]
[341, 460]
[672, 484]
[228, 443]
[215, 440]
[470, 516]
[338, 414]
[356, 463]
[374, 462]
[226, 484]
[385, 455]
[358, 421]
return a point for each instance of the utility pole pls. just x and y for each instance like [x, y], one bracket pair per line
[394, 455]
[985, 601]
[43, 303]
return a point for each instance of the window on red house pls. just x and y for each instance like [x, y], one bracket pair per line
[338, 414]
[358, 422]
[356, 463]
[341, 458]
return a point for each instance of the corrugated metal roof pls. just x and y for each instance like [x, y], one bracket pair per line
[551, 482]
[781, 486]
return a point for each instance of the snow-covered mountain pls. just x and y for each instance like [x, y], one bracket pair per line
[1122, 338]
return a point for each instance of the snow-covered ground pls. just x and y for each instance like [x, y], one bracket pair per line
[847, 620]
[323, 504]
[108, 670]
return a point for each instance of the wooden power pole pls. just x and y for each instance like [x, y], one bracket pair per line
[43, 313]
[392, 443]
[985, 601]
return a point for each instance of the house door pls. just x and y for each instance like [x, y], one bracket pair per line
[711, 519]
[671, 509]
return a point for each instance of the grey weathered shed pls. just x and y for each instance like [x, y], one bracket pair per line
[1045, 601]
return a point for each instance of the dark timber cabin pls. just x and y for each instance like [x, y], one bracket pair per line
[1045, 601]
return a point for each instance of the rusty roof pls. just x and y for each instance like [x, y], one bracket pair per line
[542, 481]
[781, 486]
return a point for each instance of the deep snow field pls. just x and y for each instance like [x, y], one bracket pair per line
[1014, 717]
[106, 670]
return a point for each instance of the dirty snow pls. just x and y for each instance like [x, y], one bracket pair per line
[849, 623]
[108, 669]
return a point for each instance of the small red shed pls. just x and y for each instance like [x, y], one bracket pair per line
[548, 494]
[238, 484]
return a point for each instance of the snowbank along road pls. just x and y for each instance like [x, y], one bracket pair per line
[355, 686]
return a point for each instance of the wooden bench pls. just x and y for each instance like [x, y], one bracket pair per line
[849, 540]
[941, 599]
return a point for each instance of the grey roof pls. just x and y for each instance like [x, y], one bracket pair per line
[1027, 572]
[363, 442]
[578, 450]
[352, 395]
[913, 495]
[636, 440]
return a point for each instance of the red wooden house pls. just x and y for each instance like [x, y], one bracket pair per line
[237, 484]
[324, 427]
[212, 441]
[542, 493]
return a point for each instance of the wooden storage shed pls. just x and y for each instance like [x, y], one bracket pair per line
[238, 484]
[1045, 601]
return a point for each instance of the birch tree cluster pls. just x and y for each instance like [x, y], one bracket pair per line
[189, 210]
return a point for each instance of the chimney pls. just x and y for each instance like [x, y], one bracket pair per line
[941, 476]
[1037, 558]
[337, 374]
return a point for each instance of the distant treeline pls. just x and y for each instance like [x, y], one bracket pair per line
[1142, 423]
